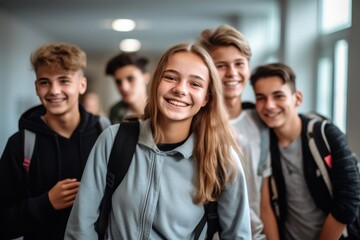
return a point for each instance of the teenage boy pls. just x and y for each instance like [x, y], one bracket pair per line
[36, 196]
[231, 53]
[131, 78]
[307, 210]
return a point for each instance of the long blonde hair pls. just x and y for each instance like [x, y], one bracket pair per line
[214, 138]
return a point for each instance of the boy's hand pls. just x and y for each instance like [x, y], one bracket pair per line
[63, 194]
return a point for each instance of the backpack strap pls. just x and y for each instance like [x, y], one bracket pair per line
[321, 155]
[314, 148]
[274, 196]
[29, 144]
[248, 105]
[120, 159]
[210, 217]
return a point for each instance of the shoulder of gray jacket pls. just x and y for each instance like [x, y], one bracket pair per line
[104, 122]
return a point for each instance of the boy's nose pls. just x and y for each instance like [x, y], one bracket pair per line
[270, 103]
[55, 88]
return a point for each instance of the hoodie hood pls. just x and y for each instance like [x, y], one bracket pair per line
[83, 136]
[32, 120]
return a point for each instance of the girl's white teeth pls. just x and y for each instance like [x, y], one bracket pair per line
[232, 83]
[176, 103]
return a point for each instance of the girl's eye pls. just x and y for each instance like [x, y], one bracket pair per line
[169, 77]
[219, 66]
[196, 84]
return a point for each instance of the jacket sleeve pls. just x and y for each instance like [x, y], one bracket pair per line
[85, 211]
[233, 207]
[345, 177]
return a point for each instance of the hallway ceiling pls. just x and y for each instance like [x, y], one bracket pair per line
[160, 23]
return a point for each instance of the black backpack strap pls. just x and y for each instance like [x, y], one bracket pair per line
[248, 105]
[120, 158]
[210, 217]
[277, 184]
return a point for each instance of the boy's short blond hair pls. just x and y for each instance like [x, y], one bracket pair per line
[59, 55]
[224, 36]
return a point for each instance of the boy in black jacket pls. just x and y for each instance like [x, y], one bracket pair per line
[35, 202]
[306, 208]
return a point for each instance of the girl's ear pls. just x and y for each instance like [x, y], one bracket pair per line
[206, 100]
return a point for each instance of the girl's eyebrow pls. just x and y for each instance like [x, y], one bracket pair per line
[191, 75]
[198, 77]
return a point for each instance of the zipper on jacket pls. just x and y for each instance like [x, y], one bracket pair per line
[144, 212]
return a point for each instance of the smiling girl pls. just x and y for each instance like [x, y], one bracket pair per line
[185, 157]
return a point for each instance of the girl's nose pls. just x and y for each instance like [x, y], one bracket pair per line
[180, 88]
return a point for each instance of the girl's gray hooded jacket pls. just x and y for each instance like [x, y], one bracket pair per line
[157, 193]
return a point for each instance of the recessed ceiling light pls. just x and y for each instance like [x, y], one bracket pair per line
[123, 25]
[130, 45]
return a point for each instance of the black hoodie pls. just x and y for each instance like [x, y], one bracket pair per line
[25, 209]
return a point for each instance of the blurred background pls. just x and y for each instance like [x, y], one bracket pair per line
[319, 39]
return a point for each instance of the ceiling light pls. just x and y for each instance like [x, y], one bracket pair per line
[130, 45]
[123, 25]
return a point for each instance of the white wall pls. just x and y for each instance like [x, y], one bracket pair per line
[17, 91]
[299, 46]
[97, 82]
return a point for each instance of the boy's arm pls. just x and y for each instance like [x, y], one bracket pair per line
[19, 212]
[14, 212]
[267, 213]
[345, 179]
[332, 229]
